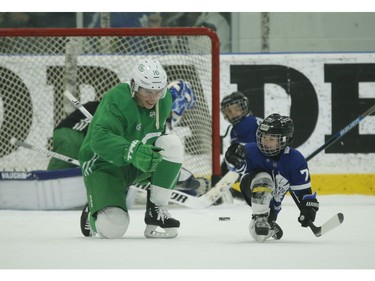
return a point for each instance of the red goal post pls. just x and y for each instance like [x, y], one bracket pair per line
[37, 65]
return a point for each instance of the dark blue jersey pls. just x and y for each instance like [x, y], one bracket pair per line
[289, 170]
[245, 131]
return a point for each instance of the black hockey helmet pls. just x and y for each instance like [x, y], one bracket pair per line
[277, 127]
[235, 107]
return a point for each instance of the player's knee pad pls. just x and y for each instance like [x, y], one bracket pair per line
[112, 222]
[173, 149]
[262, 187]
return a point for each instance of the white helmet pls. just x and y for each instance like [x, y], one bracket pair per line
[149, 74]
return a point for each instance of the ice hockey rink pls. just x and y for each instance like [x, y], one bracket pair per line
[52, 240]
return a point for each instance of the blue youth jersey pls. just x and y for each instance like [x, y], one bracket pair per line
[289, 170]
[245, 131]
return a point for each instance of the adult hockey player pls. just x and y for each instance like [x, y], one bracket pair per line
[184, 99]
[235, 109]
[270, 168]
[125, 145]
[70, 132]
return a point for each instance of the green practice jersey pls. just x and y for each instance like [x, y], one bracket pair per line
[116, 123]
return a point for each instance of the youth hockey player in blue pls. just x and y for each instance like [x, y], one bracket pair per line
[271, 168]
[235, 109]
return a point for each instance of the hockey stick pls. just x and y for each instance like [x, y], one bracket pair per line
[318, 231]
[205, 200]
[48, 153]
[342, 132]
[337, 219]
[332, 223]
[77, 104]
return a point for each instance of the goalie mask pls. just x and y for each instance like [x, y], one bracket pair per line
[149, 74]
[274, 134]
[234, 107]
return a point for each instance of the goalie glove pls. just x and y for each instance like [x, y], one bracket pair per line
[183, 98]
[235, 157]
[144, 157]
[309, 206]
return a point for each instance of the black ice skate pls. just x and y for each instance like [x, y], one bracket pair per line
[277, 231]
[157, 216]
[85, 222]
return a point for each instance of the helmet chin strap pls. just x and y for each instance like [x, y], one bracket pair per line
[157, 115]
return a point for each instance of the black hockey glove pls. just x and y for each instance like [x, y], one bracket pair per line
[236, 155]
[309, 207]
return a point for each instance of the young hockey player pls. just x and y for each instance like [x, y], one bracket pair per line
[125, 145]
[270, 169]
[235, 109]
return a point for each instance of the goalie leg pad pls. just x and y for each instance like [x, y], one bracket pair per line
[112, 222]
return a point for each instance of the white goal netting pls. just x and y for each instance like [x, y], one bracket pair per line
[36, 68]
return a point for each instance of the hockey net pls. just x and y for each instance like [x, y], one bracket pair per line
[37, 65]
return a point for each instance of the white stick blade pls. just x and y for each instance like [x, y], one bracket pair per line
[334, 222]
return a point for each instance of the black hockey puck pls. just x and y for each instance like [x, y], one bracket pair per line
[224, 218]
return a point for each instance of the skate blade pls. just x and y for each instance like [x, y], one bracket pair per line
[152, 232]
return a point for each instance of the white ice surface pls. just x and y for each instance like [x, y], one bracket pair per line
[52, 240]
